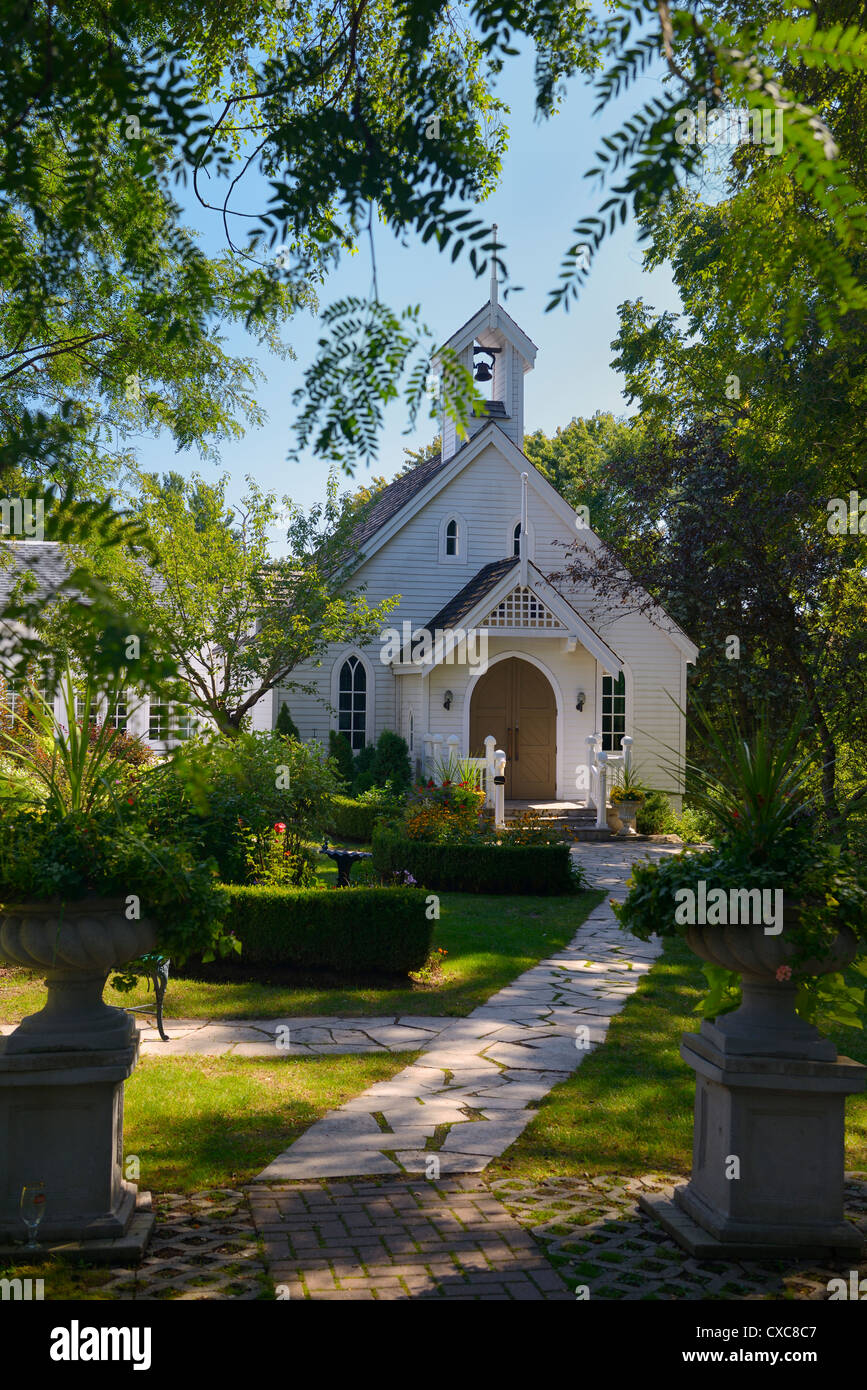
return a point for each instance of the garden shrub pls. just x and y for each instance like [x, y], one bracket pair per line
[443, 814]
[362, 774]
[478, 866]
[391, 763]
[285, 724]
[694, 826]
[220, 795]
[340, 751]
[354, 818]
[656, 815]
[343, 929]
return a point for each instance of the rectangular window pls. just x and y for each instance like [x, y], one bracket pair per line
[118, 716]
[93, 717]
[169, 722]
[613, 712]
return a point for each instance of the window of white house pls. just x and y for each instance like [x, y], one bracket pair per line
[613, 712]
[12, 694]
[517, 540]
[93, 717]
[169, 721]
[119, 714]
[452, 537]
[352, 702]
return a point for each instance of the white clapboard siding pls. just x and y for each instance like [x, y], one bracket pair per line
[486, 498]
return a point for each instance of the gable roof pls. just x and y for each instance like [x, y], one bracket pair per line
[491, 315]
[45, 560]
[467, 598]
[395, 497]
[489, 587]
[439, 474]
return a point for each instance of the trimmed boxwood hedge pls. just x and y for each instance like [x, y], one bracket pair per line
[343, 929]
[351, 820]
[477, 868]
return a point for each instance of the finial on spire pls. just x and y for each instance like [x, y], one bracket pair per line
[494, 269]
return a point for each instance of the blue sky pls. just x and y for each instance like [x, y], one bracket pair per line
[542, 195]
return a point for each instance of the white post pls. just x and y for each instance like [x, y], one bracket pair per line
[490, 745]
[500, 790]
[434, 742]
[453, 745]
[522, 551]
[590, 741]
[602, 807]
[626, 744]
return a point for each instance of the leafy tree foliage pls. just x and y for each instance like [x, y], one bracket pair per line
[234, 621]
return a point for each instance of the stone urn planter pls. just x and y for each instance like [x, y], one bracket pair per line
[768, 1135]
[62, 1073]
[766, 1021]
[75, 947]
[627, 811]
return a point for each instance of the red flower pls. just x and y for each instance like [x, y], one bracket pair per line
[131, 800]
[736, 815]
[280, 827]
[430, 782]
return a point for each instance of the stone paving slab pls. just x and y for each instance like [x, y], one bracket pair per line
[306, 1037]
[527, 1032]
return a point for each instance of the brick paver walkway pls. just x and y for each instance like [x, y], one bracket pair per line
[392, 1240]
[467, 1097]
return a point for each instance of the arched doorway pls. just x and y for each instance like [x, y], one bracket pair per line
[514, 701]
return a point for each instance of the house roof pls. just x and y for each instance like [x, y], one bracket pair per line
[471, 594]
[45, 560]
[395, 497]
[490, 578]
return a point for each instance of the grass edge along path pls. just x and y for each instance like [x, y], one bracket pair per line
[628, 1109]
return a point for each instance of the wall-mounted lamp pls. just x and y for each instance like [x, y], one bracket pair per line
[579, 700]
[447, 700]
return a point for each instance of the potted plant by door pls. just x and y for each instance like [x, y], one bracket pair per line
[777, 912]
[627, 797]
[84, 890]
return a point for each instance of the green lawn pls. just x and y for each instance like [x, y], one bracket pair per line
[490, 940]
[202, 1122]
[628, 1108]
[176, 1111]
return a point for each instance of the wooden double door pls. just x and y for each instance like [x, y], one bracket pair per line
[515, 702]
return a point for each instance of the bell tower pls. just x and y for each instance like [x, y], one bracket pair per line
[498, 353]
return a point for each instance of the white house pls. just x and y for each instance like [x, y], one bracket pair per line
[484, 643]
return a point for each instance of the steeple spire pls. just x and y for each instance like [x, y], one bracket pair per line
[494, 285]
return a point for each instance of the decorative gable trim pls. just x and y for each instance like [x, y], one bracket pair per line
[493, 318]
[522, 608]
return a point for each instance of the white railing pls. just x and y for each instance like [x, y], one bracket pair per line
[438, 751]
[601, 772]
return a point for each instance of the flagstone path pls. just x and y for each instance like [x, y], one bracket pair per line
[471, 1093]
[292, 1037]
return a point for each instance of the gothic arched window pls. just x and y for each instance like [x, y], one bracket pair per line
[452, 537]
[517, 540]
[352, 702]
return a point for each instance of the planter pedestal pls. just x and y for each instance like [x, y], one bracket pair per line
[782, 1117]
[61, 1122]
[62, 1073]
